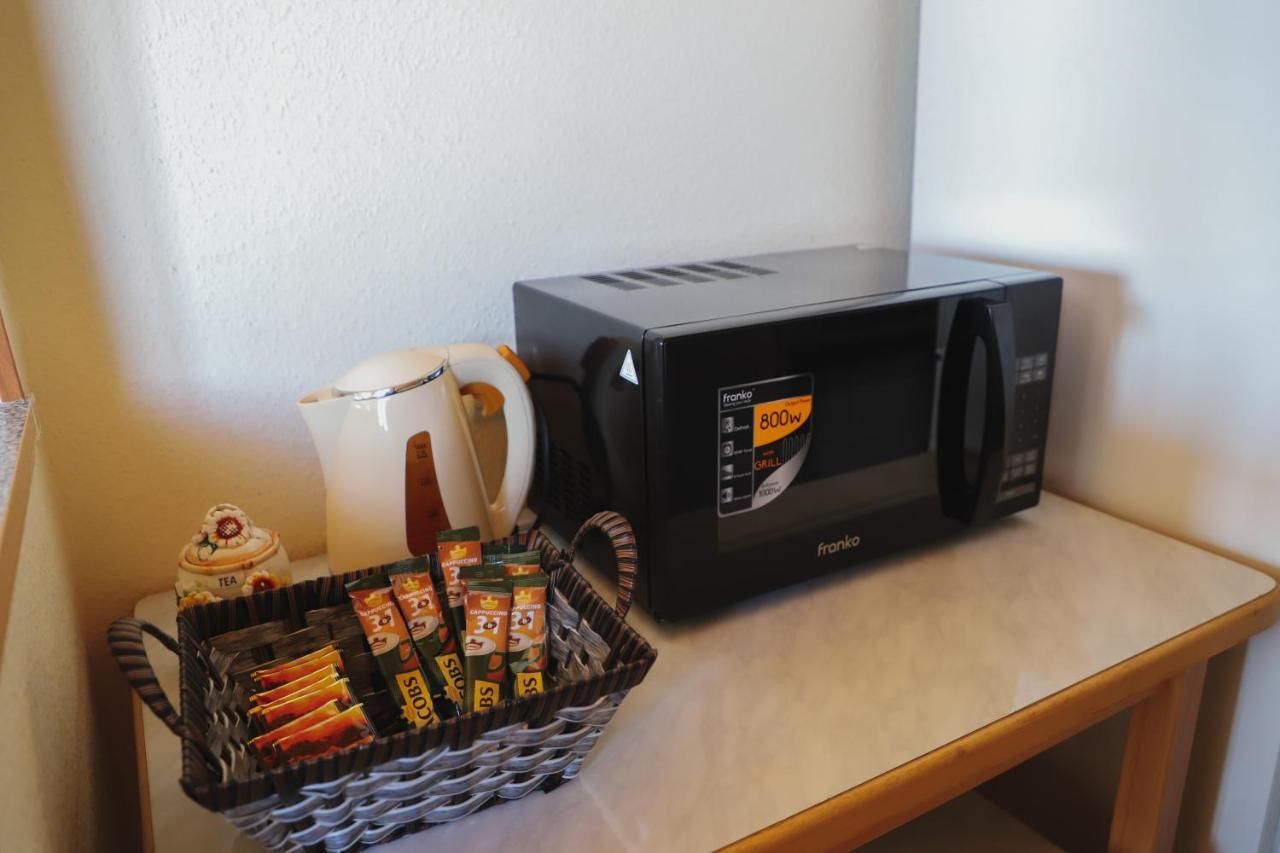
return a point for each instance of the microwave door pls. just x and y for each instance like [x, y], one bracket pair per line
[975, 408]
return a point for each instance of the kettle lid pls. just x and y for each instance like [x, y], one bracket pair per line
[392, 372]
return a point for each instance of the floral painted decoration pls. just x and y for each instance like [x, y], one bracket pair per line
[200, 596]
[225, 526]
[260, 581]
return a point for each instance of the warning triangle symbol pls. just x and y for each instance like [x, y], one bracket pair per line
[628, 370]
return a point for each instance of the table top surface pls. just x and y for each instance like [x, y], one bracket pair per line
[758, 712]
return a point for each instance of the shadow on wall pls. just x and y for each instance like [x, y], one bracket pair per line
[99, 443]
[1095, 315]
[52, 300]
[1085, 455]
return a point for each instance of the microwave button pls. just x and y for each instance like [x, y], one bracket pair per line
[1040, 373]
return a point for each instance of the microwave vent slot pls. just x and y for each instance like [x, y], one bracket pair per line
[618, 283]
[743, 268]
[674, 275]
[571, 491]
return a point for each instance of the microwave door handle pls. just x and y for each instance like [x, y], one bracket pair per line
[992, 323]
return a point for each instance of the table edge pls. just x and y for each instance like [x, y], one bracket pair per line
[866, 811]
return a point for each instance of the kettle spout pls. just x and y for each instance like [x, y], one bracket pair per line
[324, 414]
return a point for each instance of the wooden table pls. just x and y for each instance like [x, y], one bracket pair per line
[823, 716]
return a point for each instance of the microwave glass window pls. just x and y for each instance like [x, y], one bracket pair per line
[843, 422]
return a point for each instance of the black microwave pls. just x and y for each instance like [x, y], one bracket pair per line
[767, 419]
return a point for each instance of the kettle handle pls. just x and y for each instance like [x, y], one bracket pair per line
[477, 363]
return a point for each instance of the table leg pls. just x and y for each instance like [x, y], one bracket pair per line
[1161, 728]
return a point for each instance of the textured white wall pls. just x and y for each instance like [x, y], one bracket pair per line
[240, 199]
[1133, 146]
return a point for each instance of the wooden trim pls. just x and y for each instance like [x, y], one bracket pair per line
[1156, 754]
[10, 382]
[861, 814]
[13, 518]
[144, 784]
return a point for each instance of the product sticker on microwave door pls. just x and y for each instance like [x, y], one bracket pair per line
[764, 430]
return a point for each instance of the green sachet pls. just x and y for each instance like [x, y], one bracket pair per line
[393, 648]
[416, 594]
[482, 572]
[522, 563]
[455, 549]
[488, 606]
[527, 635]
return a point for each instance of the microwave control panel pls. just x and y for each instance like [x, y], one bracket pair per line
[1023, 460]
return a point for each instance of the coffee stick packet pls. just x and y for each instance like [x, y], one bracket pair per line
[455, 549]
[293, 706]
[349, 729]
[488, 606]
[522, 563]
[416, 594]
[482, 572]
[264, 744]
[527, 635]
[282, 673]
[326, 675]
[493, 552]
[393, 648]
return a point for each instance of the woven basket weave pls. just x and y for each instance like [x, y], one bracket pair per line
[411, 780]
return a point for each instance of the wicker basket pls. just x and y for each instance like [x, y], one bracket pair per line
[410, 780]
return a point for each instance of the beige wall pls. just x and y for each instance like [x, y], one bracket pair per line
[67, 751]
[208, 209]
[47, 759]
[1133, 147]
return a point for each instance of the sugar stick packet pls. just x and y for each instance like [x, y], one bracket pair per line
[349, 729]
[527, 635]
[393, 648]
[325, 675]
[264, 744]
[455, 549]
[283, 673]
[295, 705]
[416, 595]
[488, 606]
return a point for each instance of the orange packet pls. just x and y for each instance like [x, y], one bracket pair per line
[347, 730]
[280, 676]
[264, 744]
[311, 655]
[313, 679]
[294, 706]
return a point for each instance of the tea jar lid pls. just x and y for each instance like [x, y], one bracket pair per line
[227, 539]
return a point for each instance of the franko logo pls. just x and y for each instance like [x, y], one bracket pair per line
[826, 549]
[743, 396]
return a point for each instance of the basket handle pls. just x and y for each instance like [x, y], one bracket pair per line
[124, 636]
[623, 540]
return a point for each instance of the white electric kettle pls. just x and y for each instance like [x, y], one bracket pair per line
[397, 455]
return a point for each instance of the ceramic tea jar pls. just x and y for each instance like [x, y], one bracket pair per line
[228, 557]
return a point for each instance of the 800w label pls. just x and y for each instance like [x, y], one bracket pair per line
[764, 429]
